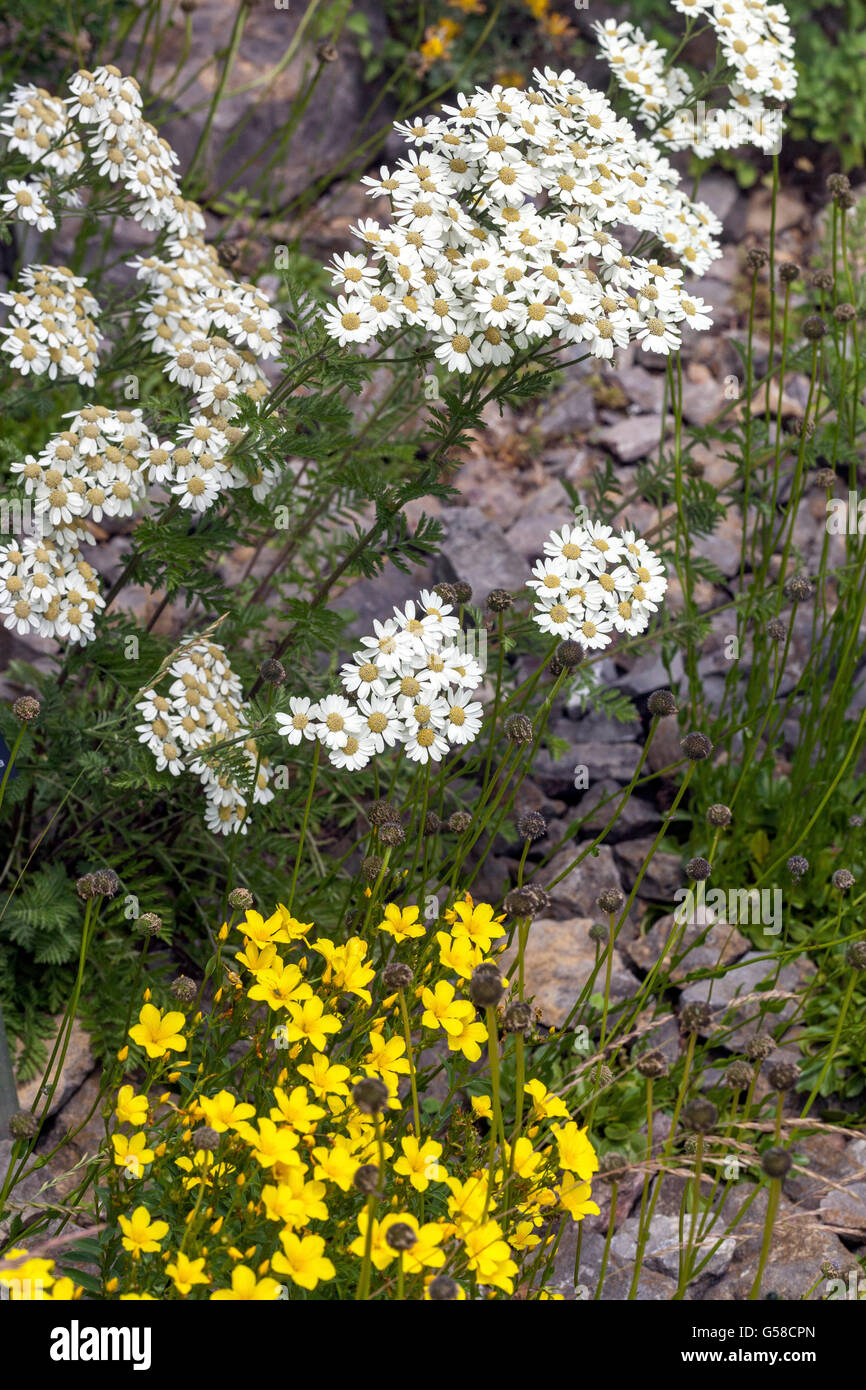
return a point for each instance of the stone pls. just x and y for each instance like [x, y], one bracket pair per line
[799, 1247]
[558, 961]
[577, 892]
[635, 437]
[662, 1250]
[646, 389]
[743, 979]
[701, 947]
[474, 549]
[846, 1210]
[663, 876]
[568, 411]
[647, 673]
[78, 1063]
[790, 211]
[636, 817]
[665, 748]
[721, 194]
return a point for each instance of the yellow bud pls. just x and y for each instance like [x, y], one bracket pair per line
[223, 932]
[147, 996]
[112, 1285]
[123, 1054]
[240, 1180]
[218, 996]
[161, 1150]
[173, 1075]
[164, 1098]
[217, 1226]
[186, 1136]
[199, 1016]
[235, 1253]
[265, 1264]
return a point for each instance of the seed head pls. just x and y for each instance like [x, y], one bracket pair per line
[604, 1077]
[661, 704]
[856, 955]
[518, 729]
[462, 591]
[183, 989]
[26, 708]
[149, 924]
[443, 1290]
[696, 746]
[391, 834]
[106, 884]
[699, 869]
[446, 592]
[522, 902]
[739, 1075]
[776, 630]
[380, 813]
[759, 1047]
[855, 822]
[598, 932]
[821, 279]
[371, 867]
[756, 258]
[569, 654]
[531, 825]
[370, 1095]
[837, 183]
[696, 1017]
[776, 1163]
[241, 898]
[611, 1166]
[205, 1138]
[830, 1269]
[719, 815]
[782, 1075]
[843, 879]
[396, 976]
[519, 1018]
[699, 1115]
[400, 1236]
[798, 588]
[366, 1178]
[486, 987]
[814, 328]
[610, 899]
[432, 823]
[272, 672]
[84, 886]
[23, 1125]
[788, 272]
[825, 477]
[459, 822]
[652, 1064]
[844, 313]
[797, 866]
[499, 601]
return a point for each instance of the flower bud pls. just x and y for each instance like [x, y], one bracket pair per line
[396, 976]
[392, 834]
[776, 1163]
[782, 1076]
[699, 1115]
[459, 822]
[370, 1095]
[699, 869]
[531, 825]
[272, 672]
[499, 601]
[486, 987]
[518, 729]
[696, 746]
[719, 815]
[366, 1178]
[241, 898]
[26, 708]
[661, 704]
[610, 900]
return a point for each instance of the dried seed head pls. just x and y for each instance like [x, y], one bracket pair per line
[391, 834]
[846, 200]
[776, 1163]
[696, 746]
[205, 1138]
[776, 630]
[26, 708]
[843, 879]
[837, 183]
[518, 729]
[106, 884]
[531, 825]
[856, 955]
[798, 588]
[739, 1075]
[759, 1047]
[486, 987]
[756, 258]
[370, 1095]
[499, 601]
[432, 824]
[522, 902]
[719, 815]
[446, 592]
[696, 1017]
[797, 866]
[602, 1077]
[844, 313]
[788, 272]
[821, 279]
[381, 812]
[443, 1290]
[183, 989]
[699, 869]
[462, 591]
[241, 898]
[611, 1166]
[598, 932]
[23, 1125]
[396, 976]
[569, 654]
[830, 1269]
[459, 822]
[814, 328]
[272, 672]
[652, 1065]
[371, 867]
[699, 1115]
[825, 477]
[84, 886]
[782, 1075]
[610, 899]
[661, 704]
[400, 1236]
[366, 1178]
[325, 52]
[519, 1018]
[149, 924]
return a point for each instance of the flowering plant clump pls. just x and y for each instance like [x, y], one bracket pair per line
[504, 235]
[593, 583]
[203, 710]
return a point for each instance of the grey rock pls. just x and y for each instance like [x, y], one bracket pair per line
[636, 817]
[701, 947]
[744, 978]
[569, 410]
[577, 892]
[663, 876]
[647, 674]
[558, 961]
[663, 1247]
[799, 1247]
[77, 1066]
[635, 437]
[474, 549]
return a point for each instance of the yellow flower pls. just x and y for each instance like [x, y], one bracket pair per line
[269, 1144]
[224, 1111]
[245, 1287]
[336, 1165]
[419, 1162]
[386, 1059]
[292, 929]
[459, 954]
[186, 1272]
[576, 1154]
[140, 1234]
[304, 1260]
[310, 1022]
[294, 1201]
[401, 923]
[469, 1038]
[346, 970]
[280, 985]
[131, 1153]
[295, 1109]
[489, 1256]
[482, 1107]
[28, 1277]
[325, 1078]
[158, 1033]
[476, 920]
[576, 1198]
[131, 1109]
[545, 1106]
[468, 1200]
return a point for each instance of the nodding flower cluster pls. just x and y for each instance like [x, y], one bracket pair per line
[756, 54]
[184, 729]
[209, 330]
[504, 233]
[592, 583]
[409, 684]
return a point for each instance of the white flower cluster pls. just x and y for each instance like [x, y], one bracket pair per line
[48, 588]
[505, 232]
[756, 46]
[204, 707]
[409, 684]
[592, 583]
[50, 327]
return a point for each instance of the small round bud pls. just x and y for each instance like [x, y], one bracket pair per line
[788, 272]
[84, 886]
[830, 1269]
[825, 477]
[756, 258]
[569, 654]
[846, 200]
[106, 884]
[149, 924]
[392, 834]
[23, 1125]
[843, 879]
[776, 1163]
[759, 1047]
[661, 704]
[610, 899]
[518, 729]
[443, 1290]
[696, 1017]
[821, 279]
[699, 1115]
[837, 183]
[739, 1075]
[855, 822]
[798, 588]
[370, 1095]
[272, 672]
[486, 987]
[459, 822]
[652, 1065]
[844, 313]
[719, 815]
[327, 52]
[432, 824]
[519, 1018]
[776, 630]
[462, 591]
[696, 746]
[521, 902]
[499, 601]
[602, 1077]
[446, 592]
[396, 976]
[381, 812]
[241, 898]
[599, 933]
[531, 825]
[855, 955]
[371, 867]
[782, 1075]
[797, 866]
[26, 708]
[699, 869]
[611, 1166]
[205, 1138]
[366, 1178]
[183, 989]
[814, 328]
[400, 1236]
